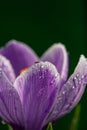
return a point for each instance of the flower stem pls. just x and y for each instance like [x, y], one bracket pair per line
[49, 126]
[75, 120]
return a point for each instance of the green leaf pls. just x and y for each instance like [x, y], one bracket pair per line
[49, 126]
[76, 117]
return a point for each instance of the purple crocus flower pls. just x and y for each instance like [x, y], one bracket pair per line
[29, 101]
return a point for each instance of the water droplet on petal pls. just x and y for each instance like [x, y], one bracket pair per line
[77, 75]
[63, 92]
[75, 78]
[56, 75]
[51, 82]
[73, 87]
[79, 81]
[82, 77]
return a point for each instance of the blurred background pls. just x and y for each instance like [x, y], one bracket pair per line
[40, 23]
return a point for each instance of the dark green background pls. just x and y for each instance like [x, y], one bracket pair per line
[40, 23]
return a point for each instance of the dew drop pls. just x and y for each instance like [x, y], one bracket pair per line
[42, 66]
[77, 75]
[56, 75]
[63, 92]
[52, 82]
[75, 78]
[82, 77]
[79, 81]
[73, 87]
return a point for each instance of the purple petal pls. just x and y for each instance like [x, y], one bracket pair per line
[7, 68]
[38, 86]
[10, 105]
[20, 55]
[72, 91]
[57, 55]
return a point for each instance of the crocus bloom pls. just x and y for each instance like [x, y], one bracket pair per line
[41, 94]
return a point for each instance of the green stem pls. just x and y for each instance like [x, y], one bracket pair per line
[76, 117]
[49, 126]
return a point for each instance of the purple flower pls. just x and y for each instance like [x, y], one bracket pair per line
[29, 101]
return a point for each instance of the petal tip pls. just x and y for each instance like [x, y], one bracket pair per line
[62, 46]
[82, 58]
[46, 64]
[12, 41]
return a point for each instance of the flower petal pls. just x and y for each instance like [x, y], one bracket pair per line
[19, 54]
[57, 55]
[72, 91]
[10, 105]
[7, 68]
[38, 86]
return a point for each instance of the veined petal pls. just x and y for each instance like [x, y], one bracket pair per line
[7, 68]
[38, 86]
[58, 55]
[72, 91]
[10, 104]
[20, 55]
